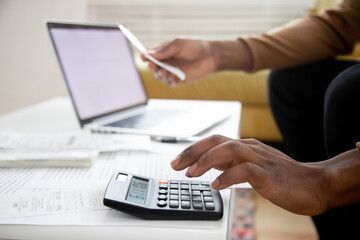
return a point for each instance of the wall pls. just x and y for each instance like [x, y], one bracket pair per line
[29, 71]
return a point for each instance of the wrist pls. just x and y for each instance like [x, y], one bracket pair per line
[318, 186]
[231, 55]
[343, 179]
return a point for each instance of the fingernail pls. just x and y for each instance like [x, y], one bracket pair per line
[216, 183]
[158, 75]
[171, 82]
[191, 170]
[175, 162]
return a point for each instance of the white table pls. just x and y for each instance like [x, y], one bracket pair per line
[57, 115]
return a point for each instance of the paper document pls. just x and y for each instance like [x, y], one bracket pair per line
[62, 149]
[74, 196]
[26, 192]
[72, 141]
[55, 158]
[141, 48]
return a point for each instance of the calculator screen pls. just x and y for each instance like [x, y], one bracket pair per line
[137, 190]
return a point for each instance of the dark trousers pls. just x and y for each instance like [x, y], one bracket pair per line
[317, 109]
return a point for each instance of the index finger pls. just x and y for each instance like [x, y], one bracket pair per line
[167, 50]
[143, 58]
[153, 50]
[192, 153]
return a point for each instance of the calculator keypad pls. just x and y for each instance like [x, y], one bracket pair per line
[185, 194]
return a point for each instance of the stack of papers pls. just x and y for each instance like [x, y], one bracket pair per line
[62, 149]
[60, 158]
[42, 192]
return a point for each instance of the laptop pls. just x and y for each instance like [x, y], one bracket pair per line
[108, 93]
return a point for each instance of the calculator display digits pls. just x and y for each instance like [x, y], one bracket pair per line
[164, 199]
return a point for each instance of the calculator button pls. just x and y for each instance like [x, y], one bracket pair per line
[163, 186]
[205, 183]
[184, 187]
[197, 199]
[174, 186]
[185, 204]
[196, 193]
[209, 206]
[162, 197]
[197, 205]
[184, 182]
[161, 203]
[185, 192]
[200, 188]
[163, 191]
[207, 193]
[185, 198]
[173, 191]
[174, 197]
[174, 182]
[164, 181]
[174, 204]
[194, 183]
[208, 199]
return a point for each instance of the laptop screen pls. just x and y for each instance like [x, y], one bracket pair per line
[99, 69]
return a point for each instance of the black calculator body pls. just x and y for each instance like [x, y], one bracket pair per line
[163, 199]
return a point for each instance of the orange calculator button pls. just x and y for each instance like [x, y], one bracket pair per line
[164, 181]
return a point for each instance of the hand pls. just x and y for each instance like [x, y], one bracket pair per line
[194, 57]
[294, 186]
[198, 58]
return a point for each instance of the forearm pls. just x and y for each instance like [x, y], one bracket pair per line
[342, 184]
[298, 42]
[307, 40]
[231, 55]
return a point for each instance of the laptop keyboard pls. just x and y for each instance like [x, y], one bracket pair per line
[147, 119]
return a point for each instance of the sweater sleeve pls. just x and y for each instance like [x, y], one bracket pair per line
[312, 38]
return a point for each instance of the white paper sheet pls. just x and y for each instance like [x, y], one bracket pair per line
[110, 217]
[46, 158]
[79, 140]
[63, 149]
[50, 196]
[30, 193]
[21, 189]
[78, 200]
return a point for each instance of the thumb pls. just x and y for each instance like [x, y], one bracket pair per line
[164, 52]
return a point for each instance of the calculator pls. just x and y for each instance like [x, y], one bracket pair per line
[163, 199]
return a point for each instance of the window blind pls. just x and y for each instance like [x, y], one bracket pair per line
[158, 21]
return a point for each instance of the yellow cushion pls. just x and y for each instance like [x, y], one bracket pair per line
[233, 86]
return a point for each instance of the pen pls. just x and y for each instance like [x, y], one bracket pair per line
[167, 139]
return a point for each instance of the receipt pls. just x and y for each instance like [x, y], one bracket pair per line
[135, 41]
